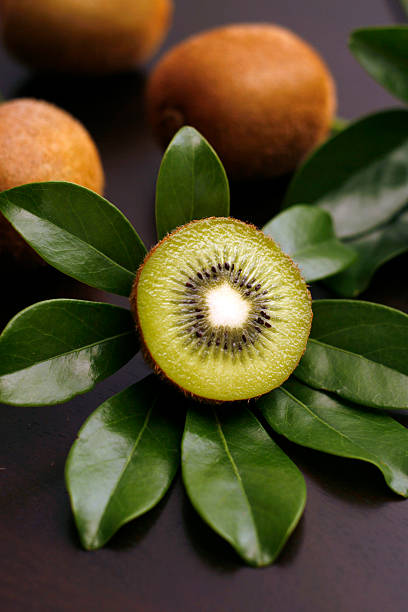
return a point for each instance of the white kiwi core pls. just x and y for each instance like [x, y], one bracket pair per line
[226, 307]
[222, 311]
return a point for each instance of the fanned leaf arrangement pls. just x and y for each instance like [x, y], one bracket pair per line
[237, 478]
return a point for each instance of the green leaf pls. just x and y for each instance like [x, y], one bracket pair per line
[123, 461]
[192, 183]
[306, 234]
[383, 52]
[358, 350]
[240, 481]
[360, 176]
[56, 349]
[338, 125]
[404, 4]
[373, 250]
[316, 420]
[76, 231]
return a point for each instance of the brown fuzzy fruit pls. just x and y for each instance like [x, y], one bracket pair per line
[261, 96]
[86, 36]
[40, 142]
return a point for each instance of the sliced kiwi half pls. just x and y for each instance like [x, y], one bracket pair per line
[222, 312]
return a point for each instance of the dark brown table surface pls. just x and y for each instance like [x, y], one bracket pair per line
[349, 552]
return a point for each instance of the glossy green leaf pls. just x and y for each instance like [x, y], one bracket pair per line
[358, 350]
[306, 234]
[373, 250]
[123, 461]
[56, 349]
[240, 481]
[316, 420]
[383, 52]
[360, 176]
[192, 183]
[76, 231]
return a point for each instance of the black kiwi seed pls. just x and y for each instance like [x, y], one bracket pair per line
[216, 339]
[225, 338]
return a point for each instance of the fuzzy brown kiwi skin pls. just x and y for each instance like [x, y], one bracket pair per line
[108, 37]
[145, 351]
[41, 142]
[263, 118]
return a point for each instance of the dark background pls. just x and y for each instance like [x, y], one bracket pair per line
[349, 552]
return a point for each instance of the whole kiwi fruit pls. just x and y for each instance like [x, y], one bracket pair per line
[261, 95]
[40, 142]
[84, 36]
[221, 311]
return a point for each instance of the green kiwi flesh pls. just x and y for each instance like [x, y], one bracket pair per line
[222, 312]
